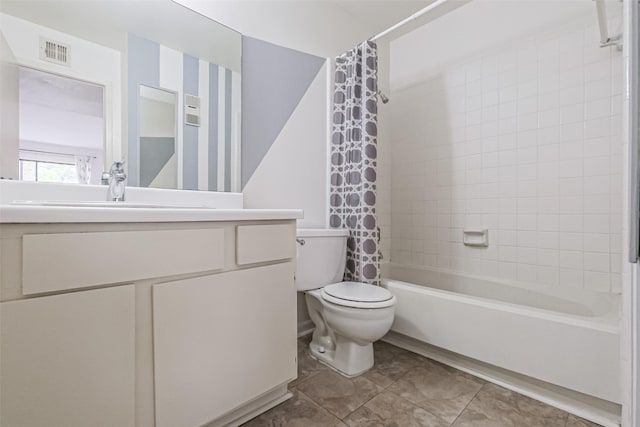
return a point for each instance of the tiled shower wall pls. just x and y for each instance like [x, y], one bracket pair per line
[524, 140]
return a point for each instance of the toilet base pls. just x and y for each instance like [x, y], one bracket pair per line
[347, 358]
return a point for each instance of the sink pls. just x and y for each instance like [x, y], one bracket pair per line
[105, 204]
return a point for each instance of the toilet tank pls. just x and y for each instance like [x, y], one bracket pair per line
[322, 258]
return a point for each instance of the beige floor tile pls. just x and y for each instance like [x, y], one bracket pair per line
[419, 392]
[495, 406]
[391, 363]
[439, 389]
[299, 411]
[390, 410]
[307, 366]
[337, 394]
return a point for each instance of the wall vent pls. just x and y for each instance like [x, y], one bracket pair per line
[192, 110]
[52, 51]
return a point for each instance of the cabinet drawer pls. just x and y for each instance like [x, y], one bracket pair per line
[262, 243]
[54, 262]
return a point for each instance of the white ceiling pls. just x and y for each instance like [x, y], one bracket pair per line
[320, 27]
[380, 15]
[62, 93]
[487, 24]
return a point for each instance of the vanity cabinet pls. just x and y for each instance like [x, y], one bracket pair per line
[222, 339]
[68, 360]
[143, 324]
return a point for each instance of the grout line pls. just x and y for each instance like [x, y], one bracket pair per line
[407, 400]
[306, 379]
[322, 407]
[419, 406]
[469, 403]
[347, 416]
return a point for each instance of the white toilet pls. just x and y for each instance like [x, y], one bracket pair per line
[348, 316]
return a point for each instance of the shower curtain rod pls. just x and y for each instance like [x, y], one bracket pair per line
[409, 19]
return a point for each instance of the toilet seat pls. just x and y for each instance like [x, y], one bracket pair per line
[358, 295]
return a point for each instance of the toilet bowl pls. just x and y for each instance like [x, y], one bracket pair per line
[348, 316]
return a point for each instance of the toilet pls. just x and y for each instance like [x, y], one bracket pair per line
[348, 316]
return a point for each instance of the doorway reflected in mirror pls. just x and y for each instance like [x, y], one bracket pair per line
[61, 128]
[157, 127]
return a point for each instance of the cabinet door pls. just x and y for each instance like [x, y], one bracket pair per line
[222, 340]
[68, 360]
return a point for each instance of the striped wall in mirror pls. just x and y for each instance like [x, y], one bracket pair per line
[206, 157]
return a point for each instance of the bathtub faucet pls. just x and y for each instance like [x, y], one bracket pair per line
[117, 180]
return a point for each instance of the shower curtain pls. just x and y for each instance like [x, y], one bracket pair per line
[353, 160]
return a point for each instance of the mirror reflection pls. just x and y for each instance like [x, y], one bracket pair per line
[61, 128]
[89, 77]
[157, 127]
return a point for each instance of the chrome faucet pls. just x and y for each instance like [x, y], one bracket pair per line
[117, 178]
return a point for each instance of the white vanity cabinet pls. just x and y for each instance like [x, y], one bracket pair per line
[68, 360]
[143, 324]
[220, 340]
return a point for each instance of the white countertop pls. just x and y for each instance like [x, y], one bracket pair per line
[65, 214]
[36, 202]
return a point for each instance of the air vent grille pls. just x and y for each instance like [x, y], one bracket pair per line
[52, 51]
[191, 110]
[192, 119]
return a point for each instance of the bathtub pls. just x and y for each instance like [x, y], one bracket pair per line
[563, 336]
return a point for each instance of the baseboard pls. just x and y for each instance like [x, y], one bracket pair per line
[590, 408]
[305, 328]
[254, 408]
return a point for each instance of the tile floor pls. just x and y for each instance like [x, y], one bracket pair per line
[404, 390]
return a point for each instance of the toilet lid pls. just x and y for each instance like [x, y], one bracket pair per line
[356, 291]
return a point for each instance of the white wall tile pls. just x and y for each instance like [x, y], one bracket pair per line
[596, 262]
[570, 241]
[598, 108]
[572, 113]
[524, 140]
[597, 128]
[573, 278]
[571, 95]
[571, 259]
[548, 275]
[597, 281]
[597, 89]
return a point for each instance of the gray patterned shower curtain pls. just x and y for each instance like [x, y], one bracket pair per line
[353, 160]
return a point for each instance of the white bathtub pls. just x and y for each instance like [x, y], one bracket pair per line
[567, 337]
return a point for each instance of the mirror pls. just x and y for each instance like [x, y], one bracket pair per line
[130, 66]
[157, 128]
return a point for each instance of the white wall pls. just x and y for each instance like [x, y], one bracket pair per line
[293, 172]
[522, 137]
[385, 146]
[158, 118]
[9, 112]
